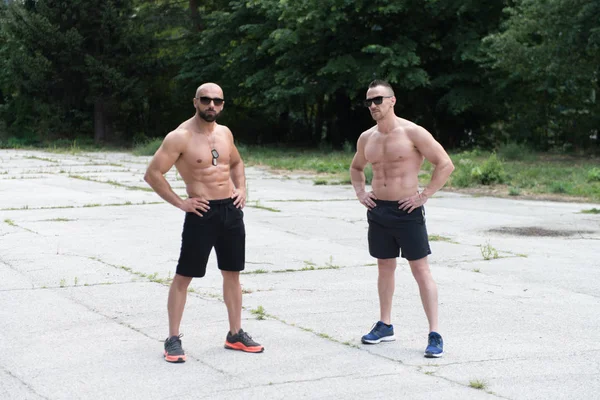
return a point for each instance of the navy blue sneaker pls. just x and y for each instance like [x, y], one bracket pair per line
[435, 348]
[380, 333]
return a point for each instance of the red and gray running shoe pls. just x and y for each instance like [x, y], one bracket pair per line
[173, 351]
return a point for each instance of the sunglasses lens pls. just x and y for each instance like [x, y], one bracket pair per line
[206, 101]
[377, 100]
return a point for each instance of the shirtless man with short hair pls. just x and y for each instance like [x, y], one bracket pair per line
[396, 148]
[211, 167]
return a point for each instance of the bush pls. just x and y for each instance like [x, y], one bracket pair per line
[559, 187]
[468, 173]
[515, 152]
[593, 175]
[147, 148]
[462, 176]
[492, 171]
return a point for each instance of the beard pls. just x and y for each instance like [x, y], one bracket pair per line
[380, 114]
[208, 117]
[377, 116]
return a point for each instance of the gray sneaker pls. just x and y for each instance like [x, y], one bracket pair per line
[173, 351]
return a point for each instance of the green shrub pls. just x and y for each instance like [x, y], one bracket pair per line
[468, 173]
[348, 147]
[515, 151]
[463, 173]
[514, 191]
[558, 187]
[492, 171]
[593, 175]
[147, 148]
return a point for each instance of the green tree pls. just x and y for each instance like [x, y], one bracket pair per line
[71, 63]
[305, 65]
[547, 60]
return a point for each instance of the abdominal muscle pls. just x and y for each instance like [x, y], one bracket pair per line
[211, 183]
[395, 181]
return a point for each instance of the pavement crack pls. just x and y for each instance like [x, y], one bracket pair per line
[125, 324]
[317, 379]
[22, 382]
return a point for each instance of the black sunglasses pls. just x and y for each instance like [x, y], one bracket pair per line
[206, 101]
[215, 155]
[377, 100]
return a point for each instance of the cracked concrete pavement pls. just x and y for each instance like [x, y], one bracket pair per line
[87, 251]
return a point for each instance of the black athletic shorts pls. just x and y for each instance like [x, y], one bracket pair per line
[221, 227]
[392, 229]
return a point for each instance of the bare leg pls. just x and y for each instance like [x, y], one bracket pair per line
[386, 284]
[176, 302]
[232, 293]
[427, 290]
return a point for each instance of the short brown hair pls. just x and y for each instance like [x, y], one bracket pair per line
[381, 82]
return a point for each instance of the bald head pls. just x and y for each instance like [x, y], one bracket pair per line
[209, 101]
[210, 90]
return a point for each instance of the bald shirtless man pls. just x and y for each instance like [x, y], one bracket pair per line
[396, 149]
[211, 167]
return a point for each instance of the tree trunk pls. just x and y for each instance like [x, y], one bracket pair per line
[102, 126]
[319, 120]
[195, 15]
[344, 123]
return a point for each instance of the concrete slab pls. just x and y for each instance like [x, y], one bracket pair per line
[87, 254]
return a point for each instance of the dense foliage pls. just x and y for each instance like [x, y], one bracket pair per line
[473, 73]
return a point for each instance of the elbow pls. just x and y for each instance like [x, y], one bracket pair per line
[451, 166]
[448, 166]
[148, 178]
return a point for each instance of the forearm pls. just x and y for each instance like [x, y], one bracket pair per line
[238, 176]
[439, 177]
[357, 177]
[160, 185]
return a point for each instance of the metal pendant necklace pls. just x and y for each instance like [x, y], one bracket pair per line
[213, 152]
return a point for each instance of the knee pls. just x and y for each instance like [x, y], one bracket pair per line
[424, 278]
[387, 266]
[231, 276]
[181, 282]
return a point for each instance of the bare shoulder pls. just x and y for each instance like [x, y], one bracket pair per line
[180, 133]
[368, 133]
[177, 139]
[416, 133]
[226, 131]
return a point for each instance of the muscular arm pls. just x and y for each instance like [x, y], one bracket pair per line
[236, 165]
[163, 160]
[357, 173]
[238, 175]
[357, 168]
[436, 155]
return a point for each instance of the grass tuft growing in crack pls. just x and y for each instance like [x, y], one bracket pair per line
[478, 384]
[591, 211]
[257, 204]
[309, 266]
[440, 238]
[259, 312]
[488, 251]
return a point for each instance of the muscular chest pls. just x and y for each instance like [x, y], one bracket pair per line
[389, 149]
[199, 152]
